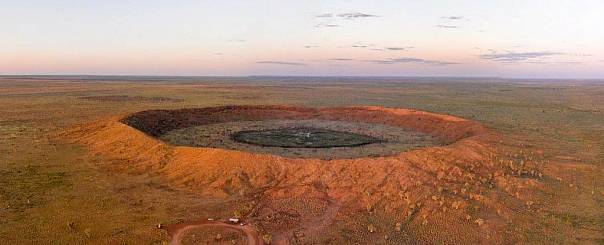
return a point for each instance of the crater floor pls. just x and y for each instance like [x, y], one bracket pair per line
[302, 137]
[323, 139]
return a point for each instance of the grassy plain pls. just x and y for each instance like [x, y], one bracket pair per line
[54, 191]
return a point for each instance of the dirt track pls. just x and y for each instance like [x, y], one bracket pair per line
[178, 231]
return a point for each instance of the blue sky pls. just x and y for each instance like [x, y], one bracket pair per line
[549, 39]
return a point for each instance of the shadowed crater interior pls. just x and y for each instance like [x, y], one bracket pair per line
[298, 132]
[303, 137]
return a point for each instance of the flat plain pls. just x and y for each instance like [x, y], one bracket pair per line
[55, 189]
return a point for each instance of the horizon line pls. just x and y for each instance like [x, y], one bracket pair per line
[289, 76]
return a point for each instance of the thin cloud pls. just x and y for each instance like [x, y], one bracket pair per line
[458, 17]
[359, 46]
[449, 20]
[272, 62]
[355, 15]
[447, 26]
[398, 48]
[325, 15]
[311, 46]
[328, 18]
[412, 60]
[321, 25]
[556, 62]
[538, 56]
[341, 59]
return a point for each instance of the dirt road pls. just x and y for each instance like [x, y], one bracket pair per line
[178, 231]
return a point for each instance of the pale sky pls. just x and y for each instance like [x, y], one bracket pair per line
[512, 38]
